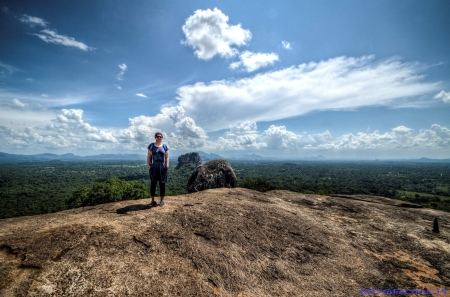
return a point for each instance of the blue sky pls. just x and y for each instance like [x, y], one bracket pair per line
[347, 79]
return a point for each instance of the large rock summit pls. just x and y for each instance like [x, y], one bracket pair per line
[189, 158]
[228, 242]
[211, 175]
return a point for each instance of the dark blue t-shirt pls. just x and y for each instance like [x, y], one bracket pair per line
[158, 153]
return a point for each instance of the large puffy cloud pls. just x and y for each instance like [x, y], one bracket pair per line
[209, 34]
[180, 132]
[30, 140]
[70, 120]
[239, 137]
[338, 83]
[277, 138]
[439, 135]
[183, 125]
[70, 132]
[247, 127]
[399, 138]
[187, 127]
[254, 61]
[445, 96]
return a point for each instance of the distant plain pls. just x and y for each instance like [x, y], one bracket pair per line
[44, 187]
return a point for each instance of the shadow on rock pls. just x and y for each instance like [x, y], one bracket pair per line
[135, 207]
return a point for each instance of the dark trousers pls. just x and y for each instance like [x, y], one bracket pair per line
[162, 189]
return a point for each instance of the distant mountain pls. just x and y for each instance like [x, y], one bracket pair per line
[419, 160]
[319, 157]
[249, 157]
[14, 158]
[130, 157]
[253, 157]
[208, 157]
[423, 159]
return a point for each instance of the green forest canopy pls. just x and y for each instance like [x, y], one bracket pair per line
[43, 187]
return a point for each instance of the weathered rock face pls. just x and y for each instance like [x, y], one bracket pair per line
[211, 175]
[228, 243]
[190, 158]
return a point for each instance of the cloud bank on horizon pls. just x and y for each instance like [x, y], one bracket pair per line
[68, 130]
[224, 115]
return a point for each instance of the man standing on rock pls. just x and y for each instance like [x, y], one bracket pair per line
[157, 164]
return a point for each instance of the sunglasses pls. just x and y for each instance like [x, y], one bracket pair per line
[159, 136]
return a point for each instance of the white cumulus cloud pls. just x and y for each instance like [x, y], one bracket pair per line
[70, 120]
[209, 34]
[247, 127]
[141, 95]
[15, 103]
[338, 83]
[254, 61]
[238, 137]
[278, 137]
[68, 131]
[445, 96]
[402, 130]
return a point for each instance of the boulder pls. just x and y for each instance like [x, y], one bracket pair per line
[190, 158]
[212, 174]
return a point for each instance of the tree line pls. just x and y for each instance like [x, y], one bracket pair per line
[44, 187]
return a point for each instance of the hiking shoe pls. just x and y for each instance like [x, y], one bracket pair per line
[153, 203]
[161, 203]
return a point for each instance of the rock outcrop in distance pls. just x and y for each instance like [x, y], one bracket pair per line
[227, 242]
[211, 175]
[189, 158]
